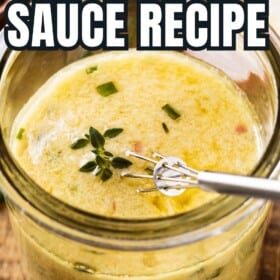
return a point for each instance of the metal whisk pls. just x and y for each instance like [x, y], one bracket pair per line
[172, 177]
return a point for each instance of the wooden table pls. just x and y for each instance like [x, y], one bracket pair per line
[10, 260]
[270, 263]
[9, 256]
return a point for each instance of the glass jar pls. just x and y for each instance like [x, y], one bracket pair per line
[219, 240]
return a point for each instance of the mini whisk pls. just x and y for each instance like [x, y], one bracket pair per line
[172, 177]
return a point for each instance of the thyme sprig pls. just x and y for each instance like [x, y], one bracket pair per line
[104, 160]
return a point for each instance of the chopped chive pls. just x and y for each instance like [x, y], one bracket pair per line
[20, 133]
[113, 132]
[96, 138]
[165, 128]
[106, 89]
[91, 69]
[80, 143]
[88, 167]
[171, 112]
[120, 163]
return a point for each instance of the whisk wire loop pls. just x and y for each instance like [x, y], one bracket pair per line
[172, 176]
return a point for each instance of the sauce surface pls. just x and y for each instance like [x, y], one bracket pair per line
[216, 129]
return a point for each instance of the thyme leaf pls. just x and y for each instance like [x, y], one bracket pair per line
[96, 138]
[108, 154]
[120, 163]
[101, 162]
[106, 174]
[88, 167]
[113, 132]
[80, 143]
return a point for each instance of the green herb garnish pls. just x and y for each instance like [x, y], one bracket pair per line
[91, 69]
[20, 133]
[80, 143]
[101, 162]
[108, 154]
[106, 89]
[165, 128]
[171, 112]
[113, 132]
[89, 166]
[104, 159]
[96, 138]
[106, 174]
[120, 163]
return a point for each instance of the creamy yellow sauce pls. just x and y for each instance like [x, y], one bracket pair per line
[216, 130]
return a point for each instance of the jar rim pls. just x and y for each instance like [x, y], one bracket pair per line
[179, 229]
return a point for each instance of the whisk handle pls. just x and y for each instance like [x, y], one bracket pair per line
[240, 185]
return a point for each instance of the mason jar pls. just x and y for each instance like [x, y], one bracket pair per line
[221, 239]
